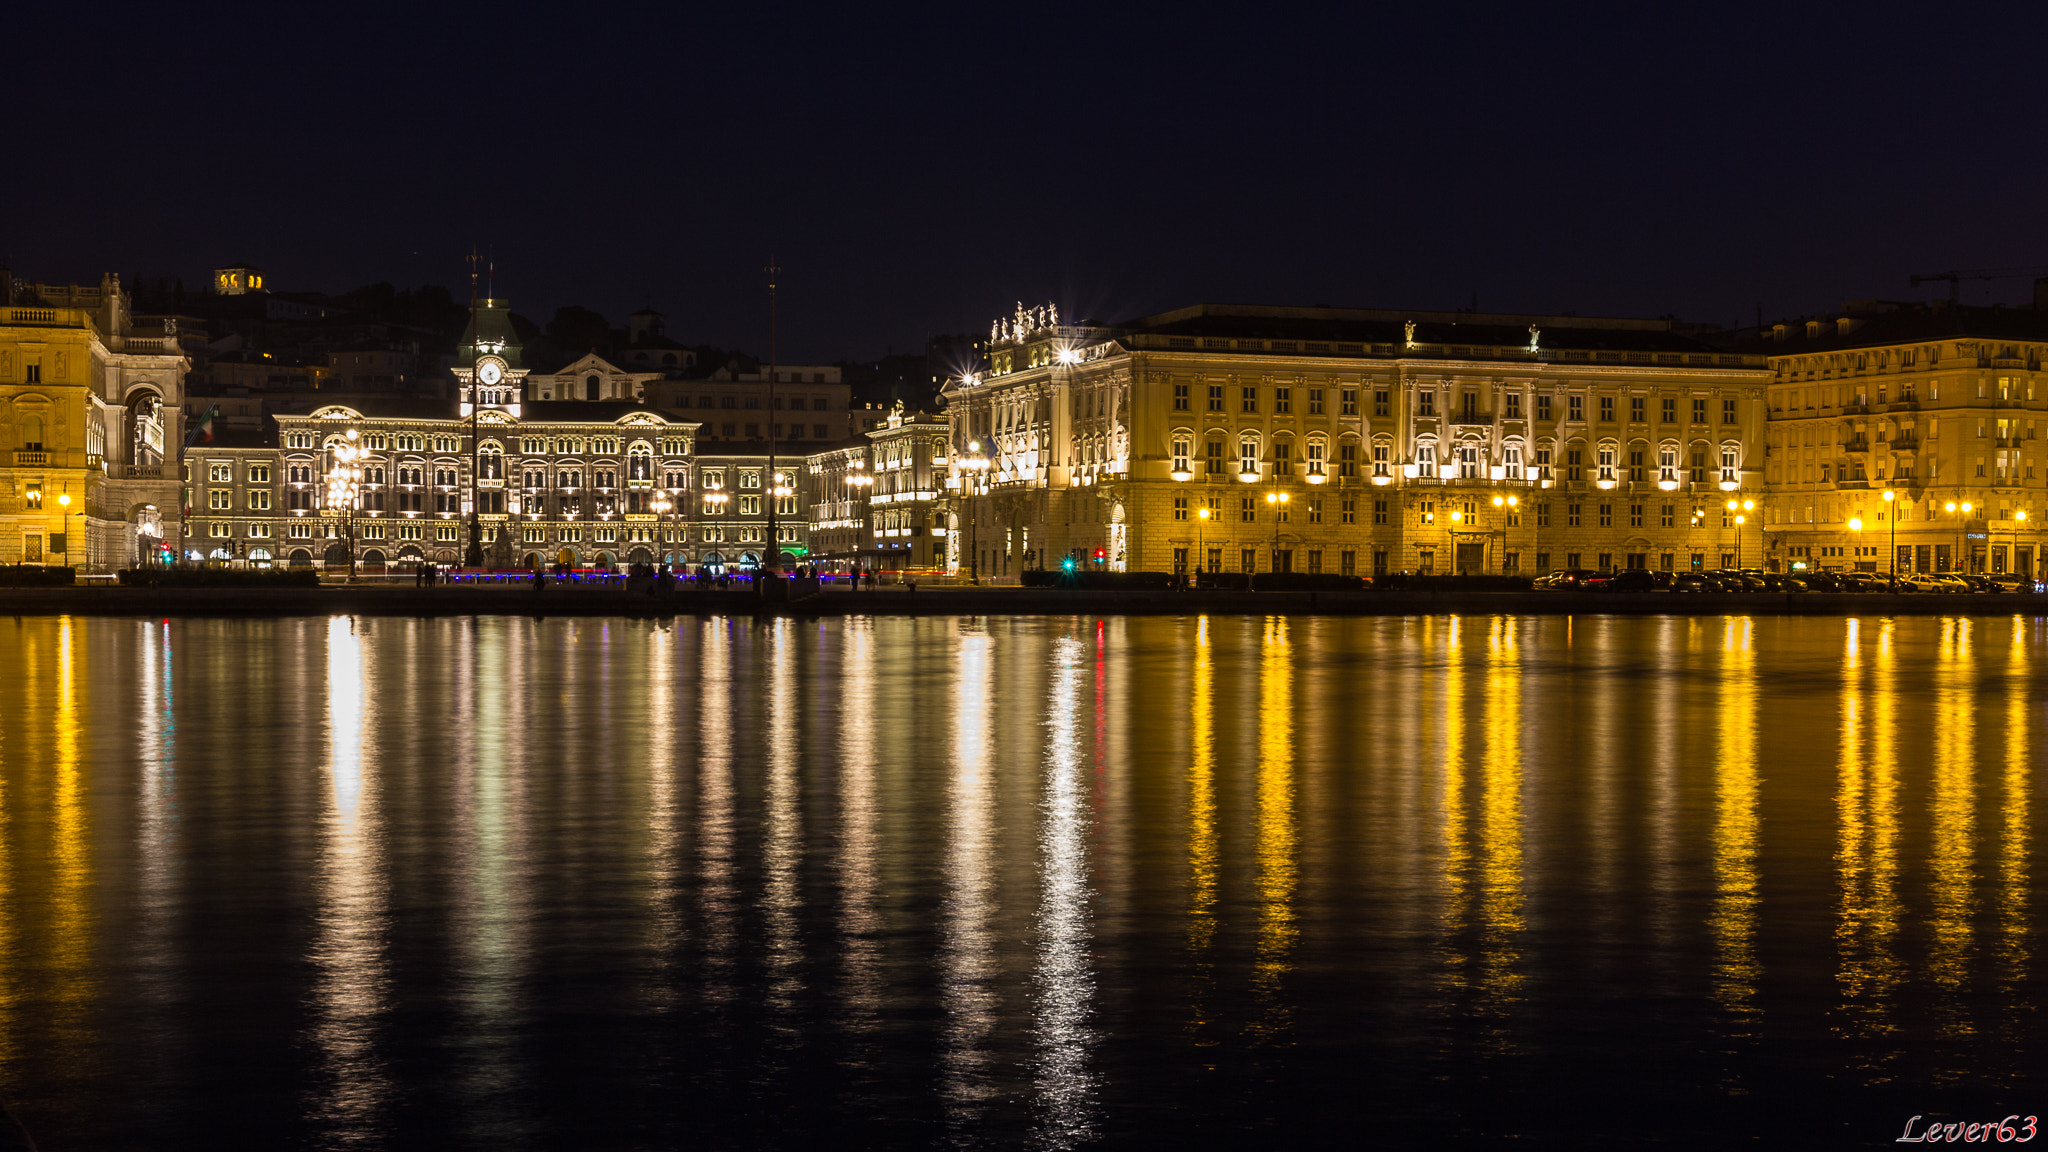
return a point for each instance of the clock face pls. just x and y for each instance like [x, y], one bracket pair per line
[489, 372]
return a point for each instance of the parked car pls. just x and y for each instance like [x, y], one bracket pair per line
[1977, 583]
[1953, 582]
[1626, 580]
[1783, 582]
[2014, 582]
[1733, 580]
[1694, 582]
[1562, 580]
[1922, 582]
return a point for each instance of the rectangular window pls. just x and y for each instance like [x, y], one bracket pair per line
[1315, 401]
[1283, 401]
[1250, 397]
[1575, 407]
[1180, 397]
[1379, 402]
[1543, 464]
[1248, 559]
[1635, 409]
[1215, 457]
[1215, 397]
[1315, 457]
[1425, 403]
[1425, 460]
[1248, 457]
[1248, 509]
[1571, 515]
[1315, 510]
[1182, 446]
[1635, 465]
[1635, 515]
[1543, 407]
[1727, 411]
[1514, 406]
[1379, 512]
[1606, 465]
[1699, 410]
[1347, 563]
[1180, 507]
[1668, 410]
[1607, 409]
[1574, 465]
[259, 501]
[1664, 517]
[1542, 521]
[1607, 515]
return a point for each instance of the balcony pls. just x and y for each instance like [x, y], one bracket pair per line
[1855, 409]
[135, 471]
[1904, 443]
[31, 459]
[1848, 484]
[1857, 444]
[1903, 406]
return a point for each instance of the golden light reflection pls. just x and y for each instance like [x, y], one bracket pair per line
[1449, 754]
[70, 952]
[1734, 916]
[493, 918]
[1500, 840]
[1273, 957]
[968, 971]
[1202, 872]
[1065, 1086]
[352, 984]
[1952, 863]
[1866, 804]
[2013, 890]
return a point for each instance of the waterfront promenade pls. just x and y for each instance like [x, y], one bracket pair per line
[523, 600]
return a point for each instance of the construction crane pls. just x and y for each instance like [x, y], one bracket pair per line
[1955, 278]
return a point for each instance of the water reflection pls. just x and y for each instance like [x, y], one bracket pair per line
[1867, 813]
[1952, 864]
[968, 968]
[899, 882]
[1735, 825]
[350, 990]
[1065, 979]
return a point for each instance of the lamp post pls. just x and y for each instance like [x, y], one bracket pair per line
[1738, 507]
[1891, 516]
[859, 483]
[662, 506]
[64, 520]
[779, 486]
[1510, 503]
[1856, 528]
[1699, 517]
[344, 488]
[1278, 501]
[1961, 527]
[2019, 521]
[972, 466]
[1201, 549]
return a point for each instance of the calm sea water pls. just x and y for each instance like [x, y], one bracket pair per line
[500, 883]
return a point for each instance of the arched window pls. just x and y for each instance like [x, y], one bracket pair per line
[591, 387]
[1316, 456]
[1183, 447]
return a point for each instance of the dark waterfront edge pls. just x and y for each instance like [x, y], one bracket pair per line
[396, 601]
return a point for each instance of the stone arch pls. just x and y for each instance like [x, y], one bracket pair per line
[566, 557]
[374, 559]
[300, 558]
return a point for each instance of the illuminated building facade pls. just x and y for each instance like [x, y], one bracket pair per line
[1939, 404]
[1355, 442]
[91, 406]
[578, 482]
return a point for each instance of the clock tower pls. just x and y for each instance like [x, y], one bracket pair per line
[488, 364]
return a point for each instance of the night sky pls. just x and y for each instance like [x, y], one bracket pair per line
[918, 172]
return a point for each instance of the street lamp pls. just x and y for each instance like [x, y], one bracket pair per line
[1951, 507]
[973, 464]
[1856, 526]
[1279, 502]
[2019, 520]
[344, 488]
[779, 486]
[1509, 502]
[859, 483]
[1739, 507]
[1201, 550]
[662, 506]
[1891, 515]
[64, 520]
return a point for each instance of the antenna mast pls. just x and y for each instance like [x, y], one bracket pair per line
[774, 559]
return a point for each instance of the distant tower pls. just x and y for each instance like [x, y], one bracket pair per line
[238, 280]
[645, 324]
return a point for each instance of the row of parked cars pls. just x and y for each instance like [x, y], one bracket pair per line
[1752, 580]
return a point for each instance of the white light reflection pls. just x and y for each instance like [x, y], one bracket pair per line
[859, 926]
[492, 919]
[717, 892]
[967, 967]
[782, 898]
[1065, 980]
[350, 989]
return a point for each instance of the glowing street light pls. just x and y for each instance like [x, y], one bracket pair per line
[1739, 507]
[1891, 515]
[1278, 501]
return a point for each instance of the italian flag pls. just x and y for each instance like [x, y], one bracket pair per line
[202, 432]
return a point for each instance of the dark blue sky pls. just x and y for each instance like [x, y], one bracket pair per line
[917, 172]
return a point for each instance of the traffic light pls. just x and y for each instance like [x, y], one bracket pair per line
[1100, 555]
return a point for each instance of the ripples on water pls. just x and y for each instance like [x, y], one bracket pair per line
[1048, 883]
